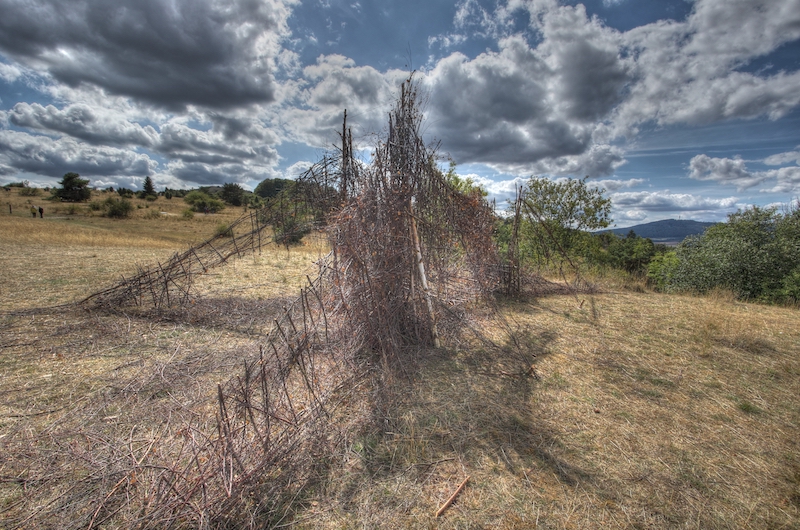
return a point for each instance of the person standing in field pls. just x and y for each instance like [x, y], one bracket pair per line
[33, 211]
[41, 212]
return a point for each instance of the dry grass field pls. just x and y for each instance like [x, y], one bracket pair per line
[647, 410]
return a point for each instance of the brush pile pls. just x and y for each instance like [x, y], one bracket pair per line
[410, 253]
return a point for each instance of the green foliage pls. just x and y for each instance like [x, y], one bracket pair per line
[557, 214]
[606, 249]
[269, 188]
[255, 202]
[73, 188]
[466, 186]
[661, 270]
[232, 193]
[170, 193]
[148, 189]
[203, 202]
[289, 215]
[754, 255]
[23, 184]
[29, 192]
[223, 230]
[117, 208]
[125, 192]
[187, 214]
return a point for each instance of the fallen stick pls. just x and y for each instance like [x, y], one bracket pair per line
[452, 498]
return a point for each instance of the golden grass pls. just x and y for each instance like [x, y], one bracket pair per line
[649, 411]
[637, 421]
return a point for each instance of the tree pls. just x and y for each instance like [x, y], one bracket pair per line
[269, 188]
[73, 188]
[557, 212]
[148, 187]
[232, 193]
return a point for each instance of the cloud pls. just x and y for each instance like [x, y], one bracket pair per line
[783, 158]
[725, 171]
[209, 174]
[171, 53]
[615, 184]
[733, 171]
[667, 202]
[9, 72]
[91, 124]
[45, 156]
[531, 109]
[335, 83]
[691, 72]
[787, 180]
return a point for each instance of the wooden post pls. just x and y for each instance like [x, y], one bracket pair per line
[423, 280]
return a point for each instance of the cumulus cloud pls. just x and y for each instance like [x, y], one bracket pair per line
[666, 201]
[45, 156]
[616, 184]
[690, 72]
[511, 109]
[9, 72]
[84, 122]
[333, 84]
[734, 171]
[725, 171]
[783, 158]
[173, 53]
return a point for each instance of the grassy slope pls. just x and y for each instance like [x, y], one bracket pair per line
[649, 410]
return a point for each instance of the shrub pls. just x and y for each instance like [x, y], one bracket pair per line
[118, 208]
[223, 230]
[187, 214]
[203, 202]
[29, 192]
[291, 231]
[661, 270]
[754, 254]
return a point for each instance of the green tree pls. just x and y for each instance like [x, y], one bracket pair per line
[465, 185]
[73, 188]
[203, 202]
[148, 188]
[232, 193]
[269, 188]
[557, 213]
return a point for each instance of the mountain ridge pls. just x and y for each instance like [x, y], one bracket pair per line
[666, 231]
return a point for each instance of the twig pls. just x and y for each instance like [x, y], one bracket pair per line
[452, 498]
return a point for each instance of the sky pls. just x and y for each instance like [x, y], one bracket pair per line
[678, 109]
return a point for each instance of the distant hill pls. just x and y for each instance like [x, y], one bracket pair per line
[669, 231]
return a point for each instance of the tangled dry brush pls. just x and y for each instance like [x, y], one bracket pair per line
[410, 254]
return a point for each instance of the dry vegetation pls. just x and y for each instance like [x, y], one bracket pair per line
[644, 410]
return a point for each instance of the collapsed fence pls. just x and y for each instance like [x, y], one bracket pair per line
[410, 253]
[169, 284]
